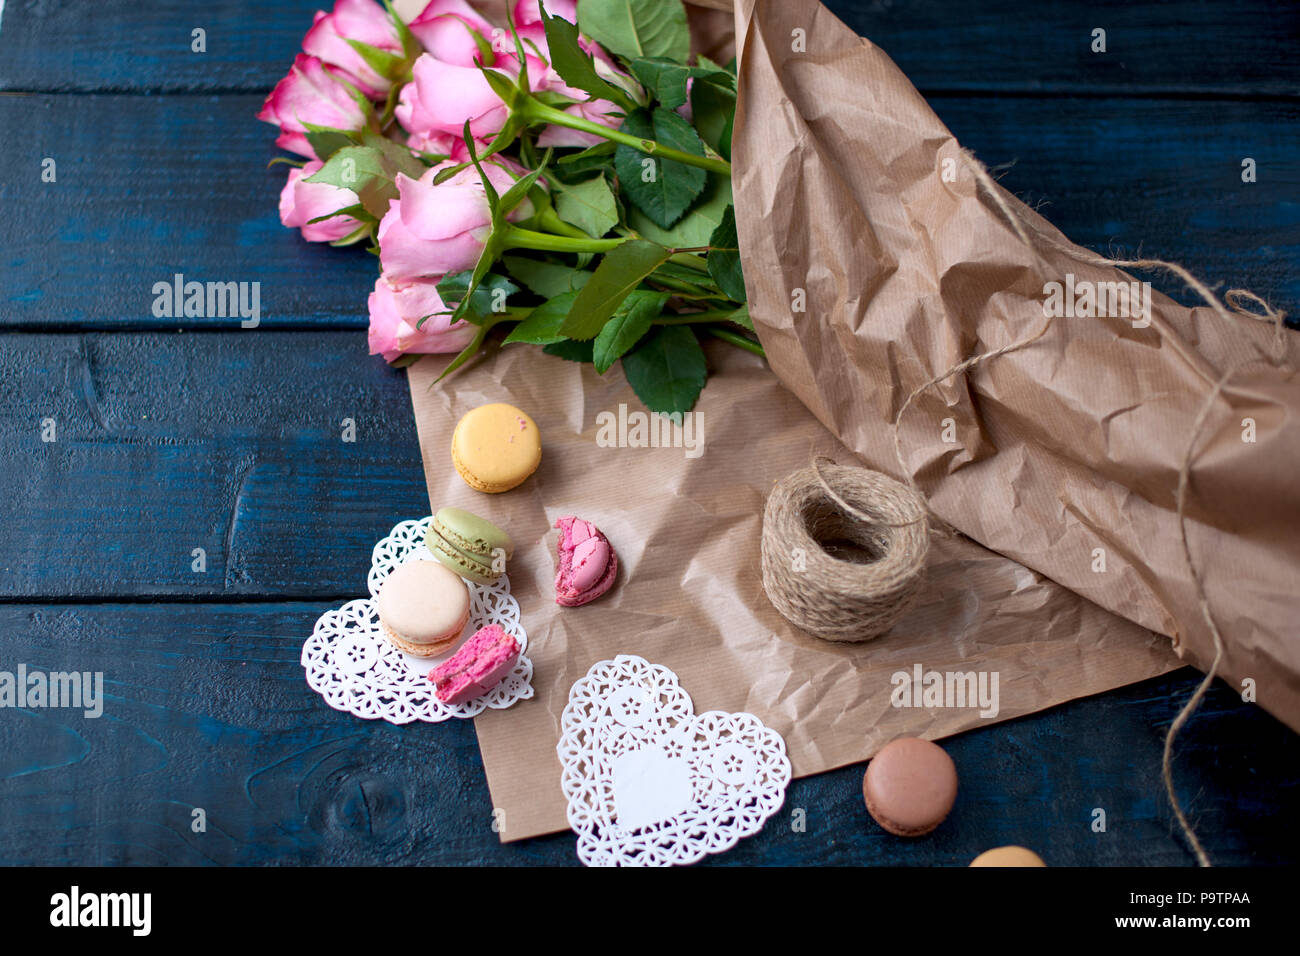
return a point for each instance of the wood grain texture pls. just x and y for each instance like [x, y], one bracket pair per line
[210, 710]
[153, 186]
[1243, 48]
[149, 187]
[231, 442]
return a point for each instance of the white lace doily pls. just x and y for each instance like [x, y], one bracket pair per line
[648, 782]
[350, 663]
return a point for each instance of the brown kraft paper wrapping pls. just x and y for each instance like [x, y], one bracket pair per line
[689, 593]
[686, 523]
[1070, 445]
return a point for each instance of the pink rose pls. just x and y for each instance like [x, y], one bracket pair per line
[395, 310]
[424, 138]
[361, 20]
[313, 92]
[443, 96]
[444, 28]
[422, 134]
[440, 230]
[301, 202]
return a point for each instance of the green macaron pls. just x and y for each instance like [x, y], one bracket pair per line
[471, 546]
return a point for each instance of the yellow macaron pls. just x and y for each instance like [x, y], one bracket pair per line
[495, 447]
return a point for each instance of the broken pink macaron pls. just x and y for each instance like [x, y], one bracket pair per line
[482, 662]
[586, 565]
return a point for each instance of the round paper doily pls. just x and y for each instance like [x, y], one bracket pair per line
[351, 665]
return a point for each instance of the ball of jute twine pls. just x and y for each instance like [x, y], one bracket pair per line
[830, 596]
[800, 593]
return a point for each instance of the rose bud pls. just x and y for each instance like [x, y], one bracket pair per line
[440, 230]
[395, 312]
[364, 21]
[446, 30]
[443, 96]
[301, 202]
[312, 93]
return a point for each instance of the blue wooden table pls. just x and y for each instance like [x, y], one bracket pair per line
[129, 441]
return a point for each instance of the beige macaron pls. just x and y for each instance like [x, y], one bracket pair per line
[1008, 856]
[423, 608]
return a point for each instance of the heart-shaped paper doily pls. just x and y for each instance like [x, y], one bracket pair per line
[350, 663]
[649, 782]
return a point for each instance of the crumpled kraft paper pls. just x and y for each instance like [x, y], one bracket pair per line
[1067, 452]
[689, 593]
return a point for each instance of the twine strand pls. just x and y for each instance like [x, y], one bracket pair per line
[835, 598]
[1237, 300]
[849, 601]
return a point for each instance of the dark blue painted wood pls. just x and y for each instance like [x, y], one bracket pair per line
[229, 440]
[1245, 47]
[209, 709]
[153, 186]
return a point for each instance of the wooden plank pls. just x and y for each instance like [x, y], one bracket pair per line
[149, 187]
[153, 186]
[229, 442]
[207, 707]
[1186, 47]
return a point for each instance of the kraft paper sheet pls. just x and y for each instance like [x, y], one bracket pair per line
[1067, 446]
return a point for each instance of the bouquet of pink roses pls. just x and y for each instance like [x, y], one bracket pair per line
[565, 173]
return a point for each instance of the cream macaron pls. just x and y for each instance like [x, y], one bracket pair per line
[423, 608]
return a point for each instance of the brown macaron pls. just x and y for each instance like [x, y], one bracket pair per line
[910, 786]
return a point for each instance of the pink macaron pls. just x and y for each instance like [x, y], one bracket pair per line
[586, 564]
[481, 663]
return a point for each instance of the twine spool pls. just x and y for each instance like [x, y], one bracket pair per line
[878, 531]
[833, 593]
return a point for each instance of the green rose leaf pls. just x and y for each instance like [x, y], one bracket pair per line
[571, 350]
[624, 329]
[356, 211]
[724, 258]
[547, 279]
[326, 140]
[667, 371]
[574, 64]
[666, 79]
[589, 205]
[741, 317]
[542, 327]
[366, 171]
[519, 191]
[386, 64]
[713, 108]
[619, 272]
[401, 159]
[660, 188]
[594, 153]
[694, 228]
[488, 298]
[637, 27]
